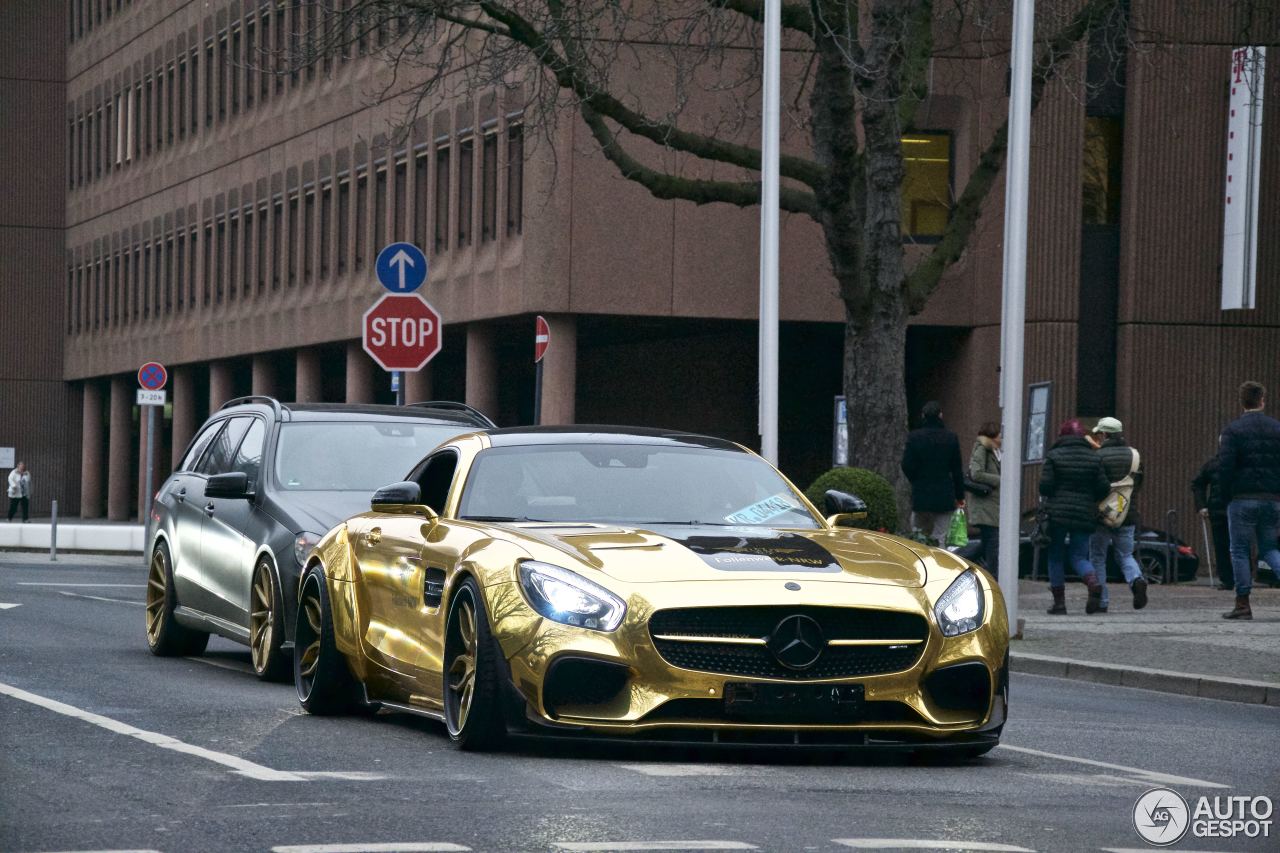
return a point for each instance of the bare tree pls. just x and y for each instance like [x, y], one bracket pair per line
[867, 66]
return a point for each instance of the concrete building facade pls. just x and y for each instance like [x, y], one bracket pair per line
[193, 207]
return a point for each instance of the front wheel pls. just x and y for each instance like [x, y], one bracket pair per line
[472, 707]
[165, 637]
[325, 685]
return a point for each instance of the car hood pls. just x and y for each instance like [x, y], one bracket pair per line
[317, 511]
[666, 553]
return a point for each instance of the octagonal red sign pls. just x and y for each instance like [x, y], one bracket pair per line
[402, 332]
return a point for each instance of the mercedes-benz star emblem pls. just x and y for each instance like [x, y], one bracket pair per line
[797, 642]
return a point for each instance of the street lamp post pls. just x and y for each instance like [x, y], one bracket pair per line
[1015, 303]
[769, 143]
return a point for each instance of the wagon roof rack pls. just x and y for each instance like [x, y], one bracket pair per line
[275, 404]
[478, 416]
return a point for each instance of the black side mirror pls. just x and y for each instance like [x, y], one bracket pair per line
[233, 484]
[402, 497]
[838, 503]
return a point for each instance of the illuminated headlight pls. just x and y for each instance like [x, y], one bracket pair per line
[959, 610]
[302, 545]
[569, 598]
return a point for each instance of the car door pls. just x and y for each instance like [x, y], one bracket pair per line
[227, 543]
[186, 493]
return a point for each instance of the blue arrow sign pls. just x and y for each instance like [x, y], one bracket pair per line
[401, 267]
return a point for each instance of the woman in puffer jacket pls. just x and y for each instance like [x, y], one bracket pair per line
[1072, 481]
[984, 510]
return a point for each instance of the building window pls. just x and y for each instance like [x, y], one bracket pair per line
[246, 256]
[168, 275]
[442, 199]
[169, 105]
[233, 255]
[420, 173]
[220, 261]
[160, 103]
[195, 91]
[308, 233]
[191, 266]
[210, 70]
[291, 248]
[222, 77]
[380, 209]
[207, 285]
[326, 223]
[234, 70]
[515, 179]
[182, 98]
[179, 268]
[1102, 169]
[400, 202]
[136, 285]
[344, 222]
[146, 281]
[126, 284]
[926, 184]
[279, 59]
[489, 187]
[362, 217]
[466, 170]
[259, 57]
[261, 261]
[277, 225]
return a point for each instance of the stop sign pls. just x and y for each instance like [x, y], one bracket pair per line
[402, 332]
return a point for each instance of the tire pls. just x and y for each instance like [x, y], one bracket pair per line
[320, 674]
[1152, 566]
[165, 637]
[266, 625]
[472, 697]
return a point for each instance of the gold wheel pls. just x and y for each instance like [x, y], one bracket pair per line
[157, 588]
[462, 669]
[311, 654]
[262, 618]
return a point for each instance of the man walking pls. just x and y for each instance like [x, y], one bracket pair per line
[1120, 461]
[1206, 489]
[19, 491]
[931, 461]
[1249, 469]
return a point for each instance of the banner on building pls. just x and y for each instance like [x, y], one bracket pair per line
[1244, 167]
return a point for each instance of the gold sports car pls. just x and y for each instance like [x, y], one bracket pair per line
[644, 584]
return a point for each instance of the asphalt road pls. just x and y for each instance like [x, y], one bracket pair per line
[104, 747]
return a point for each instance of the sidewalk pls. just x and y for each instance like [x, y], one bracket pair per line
[1178, 644]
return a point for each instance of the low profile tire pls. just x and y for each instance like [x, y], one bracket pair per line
[266, 625]
[325, 685]
[165, 637]
[472, 699]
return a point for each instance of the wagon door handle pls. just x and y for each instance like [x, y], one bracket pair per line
[181, 495]
[373, 537]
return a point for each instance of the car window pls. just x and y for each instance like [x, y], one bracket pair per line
[357, 456]
[217, 459]
[198, 446]
[248, 456]
[436, 478]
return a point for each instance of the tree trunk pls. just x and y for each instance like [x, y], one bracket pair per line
[875, 395]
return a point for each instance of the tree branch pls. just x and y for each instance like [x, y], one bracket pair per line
[667, 186]
[922, 280]
[795, 16]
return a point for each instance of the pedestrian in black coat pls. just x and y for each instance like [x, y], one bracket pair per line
[931, 461]
[1072, 481]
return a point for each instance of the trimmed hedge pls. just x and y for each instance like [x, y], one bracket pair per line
[875, 491]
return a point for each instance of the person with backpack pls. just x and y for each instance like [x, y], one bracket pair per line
[1072, 481]
[1249, 471]
[1118, 524]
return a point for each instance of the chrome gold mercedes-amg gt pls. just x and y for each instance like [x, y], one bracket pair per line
[638, 583]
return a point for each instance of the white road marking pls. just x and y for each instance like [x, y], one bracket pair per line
[678, 769]
[928, 844]
[237, 764]
[268, 805]
[111, 851]
[244, 667]
[396, 847]
[616, 846]
[1148, 850]
[100, 598]
[4, 606]
[51, 583]
[1145, 775]
[346, 775]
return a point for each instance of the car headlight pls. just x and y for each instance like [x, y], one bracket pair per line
[302, 545]
[960, 608]
[566, 597]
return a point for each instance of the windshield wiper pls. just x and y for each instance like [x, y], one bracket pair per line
[694, 523]
[503, 518]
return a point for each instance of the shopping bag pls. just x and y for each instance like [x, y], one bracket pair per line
[958, 535]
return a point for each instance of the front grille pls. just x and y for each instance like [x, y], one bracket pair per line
[759, 622]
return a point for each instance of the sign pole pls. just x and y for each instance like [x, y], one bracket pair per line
[537, 393]
[771, 120]
[151, 467]
[541, 342]
[1015, 304]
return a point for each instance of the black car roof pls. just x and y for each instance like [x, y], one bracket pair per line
[590, 434]
[446, 413]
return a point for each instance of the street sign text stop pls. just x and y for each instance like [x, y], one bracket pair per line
[401, 332]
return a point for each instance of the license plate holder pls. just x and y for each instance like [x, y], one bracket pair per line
[796, 703]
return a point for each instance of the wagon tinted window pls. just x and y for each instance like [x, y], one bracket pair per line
[217, 459]
[354, 455]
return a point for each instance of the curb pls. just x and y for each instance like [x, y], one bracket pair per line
[1161, 680]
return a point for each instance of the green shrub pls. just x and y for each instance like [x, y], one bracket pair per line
[875, 491]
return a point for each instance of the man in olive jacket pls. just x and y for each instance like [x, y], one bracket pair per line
[931, 461]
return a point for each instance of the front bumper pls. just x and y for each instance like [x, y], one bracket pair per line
[578, 682]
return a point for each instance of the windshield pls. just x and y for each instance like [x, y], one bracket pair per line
[629, 484]
[348, 456]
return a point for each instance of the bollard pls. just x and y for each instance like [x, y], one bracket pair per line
[53, 534]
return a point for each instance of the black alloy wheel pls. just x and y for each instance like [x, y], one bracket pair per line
[472, 710]
[165, 637]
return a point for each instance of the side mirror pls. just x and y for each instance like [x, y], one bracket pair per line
[401, 498]
[234, 484]
[844, 509]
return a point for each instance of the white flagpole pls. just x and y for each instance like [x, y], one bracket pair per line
[769, 143]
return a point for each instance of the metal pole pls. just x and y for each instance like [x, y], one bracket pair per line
[1015, 303]
[398, 379]
[770, 120]
[53, 533]
[537, 393]
[151, 467]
